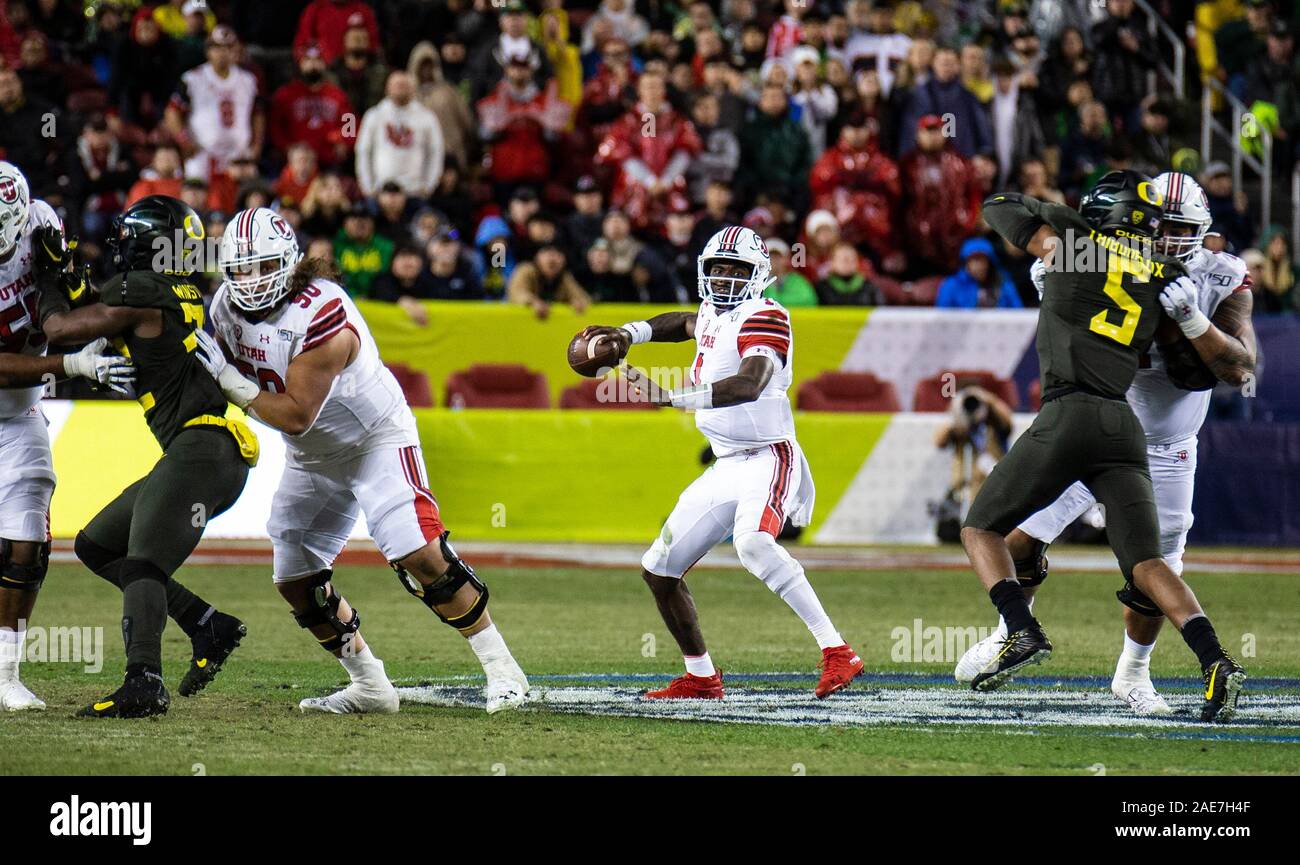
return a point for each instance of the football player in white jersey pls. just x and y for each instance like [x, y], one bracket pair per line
[739, 378]
[216, 113]
[303, 361]
[26, 466]
[1170, 395]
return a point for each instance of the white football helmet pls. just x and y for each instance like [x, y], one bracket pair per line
[258, 252]
[1186, 204]
[737, 245]
[15, 205]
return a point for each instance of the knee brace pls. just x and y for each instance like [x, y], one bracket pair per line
[1131, 596]
[1032, 569]
[23, 578]
[444, 588]
[763, 557]
[323, 609]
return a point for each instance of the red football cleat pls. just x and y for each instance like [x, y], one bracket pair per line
[839, 666]
[690, 687]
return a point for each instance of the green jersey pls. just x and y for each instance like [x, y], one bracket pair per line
[172, 385]
[1101, 297]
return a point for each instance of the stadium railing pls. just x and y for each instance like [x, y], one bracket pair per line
[1174, 75]
[1211, 128]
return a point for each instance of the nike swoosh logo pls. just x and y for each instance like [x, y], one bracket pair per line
[99, 707]
[1209, 687]
[201, 663]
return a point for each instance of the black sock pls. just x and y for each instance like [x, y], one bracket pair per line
[1199, 635]
[144, 612]
[1009, 598]
[187, 609]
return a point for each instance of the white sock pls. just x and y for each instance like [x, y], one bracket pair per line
[363, 666]
[763, 557]
[1136, 656]
[803, 600]
[699, 665]
[489, 645]
[11, 653]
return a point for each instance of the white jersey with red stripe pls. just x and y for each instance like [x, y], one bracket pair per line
[1167, 412]
[759, 326]
[365, 409]
[220, 110]
[19, 333]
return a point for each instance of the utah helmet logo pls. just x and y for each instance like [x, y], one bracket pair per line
[8, 190]
[281, 227]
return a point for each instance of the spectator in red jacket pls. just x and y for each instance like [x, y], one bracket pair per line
[311, 110]
[299, 172]
[861, 186]
[325, 21]
[610, 92]
[651, 146]
[517, 121]
[941, 201]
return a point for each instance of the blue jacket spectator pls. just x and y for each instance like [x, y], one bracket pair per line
[981, 282]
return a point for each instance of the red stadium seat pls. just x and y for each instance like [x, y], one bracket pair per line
[847, 391]
[497, 385]
[936, 393]
[920, 292]
[415, 385]
[86, 102]
[586, 395]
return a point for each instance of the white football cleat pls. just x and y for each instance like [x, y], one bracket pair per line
[507, 686]
[979, 656]
[1137, 691]
[374, 695]
[14, 697]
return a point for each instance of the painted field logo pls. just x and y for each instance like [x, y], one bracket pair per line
[74, 818]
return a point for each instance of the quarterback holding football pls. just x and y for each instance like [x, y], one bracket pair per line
[738, 383]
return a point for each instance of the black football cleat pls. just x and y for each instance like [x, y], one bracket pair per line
[142, 694]
[215, 640]
[1019, 650]
[1223, 682]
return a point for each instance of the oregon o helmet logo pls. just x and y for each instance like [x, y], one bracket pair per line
[8, 190]
[193, 226]
[1150, 194]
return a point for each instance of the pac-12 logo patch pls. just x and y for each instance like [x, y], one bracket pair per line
[8, 190]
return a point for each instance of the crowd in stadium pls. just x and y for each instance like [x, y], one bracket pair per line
[572, 152]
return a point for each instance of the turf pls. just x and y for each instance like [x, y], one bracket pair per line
[566, 622]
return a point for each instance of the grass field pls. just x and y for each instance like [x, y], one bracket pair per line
[569, 626]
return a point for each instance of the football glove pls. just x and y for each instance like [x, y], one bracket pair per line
[1038, 276]
[236, 388]
[1179, 302]
[113, 371]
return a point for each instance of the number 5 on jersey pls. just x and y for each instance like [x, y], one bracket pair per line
[1117, 269]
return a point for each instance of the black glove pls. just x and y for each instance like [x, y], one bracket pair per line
[50, 256]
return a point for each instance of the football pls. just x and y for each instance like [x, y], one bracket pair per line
[590, 357]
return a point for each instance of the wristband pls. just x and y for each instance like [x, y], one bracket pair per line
[700, 396]
[1195, 326]
[639, 331]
